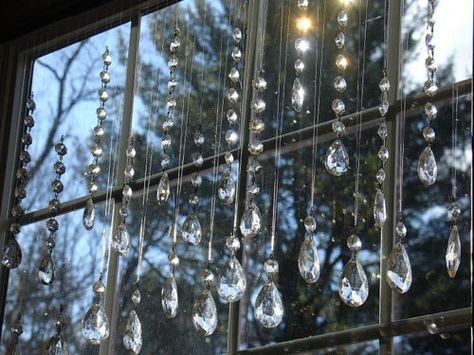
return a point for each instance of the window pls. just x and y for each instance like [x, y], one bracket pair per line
[62, 70]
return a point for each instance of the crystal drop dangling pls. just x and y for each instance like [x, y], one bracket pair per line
[399, 275]
[163, 191]
[353, 284]
[46, 270]
[95, 324]
[453, 252]
[380, 211]
[191, 230]
[57, 345]
[297, 95]
[12, 254]
[121, 240]
[427, 167]
[88, 216]
[169, 297]
[232, 283]
[269, 306]
[251, 221]
[205, 314]
[132, 339]
[337, 158]
[226, 188]
[308, 260]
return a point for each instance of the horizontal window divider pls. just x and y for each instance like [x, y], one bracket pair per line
[445, 321]
[291, 138]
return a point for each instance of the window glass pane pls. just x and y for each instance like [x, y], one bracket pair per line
[76, 256]
[65, 84]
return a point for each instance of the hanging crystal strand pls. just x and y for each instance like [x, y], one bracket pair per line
[453, 249]
[12, 254]
[269, 305]
[251, 221]
[301, 46]
[337, 158]
[46, 270]
[57, 344]
[16, 330]
[88, 216]
[132, 339]
[226, 190]
[121, 239]
[163, 191]
[427, 167]
[95, 323]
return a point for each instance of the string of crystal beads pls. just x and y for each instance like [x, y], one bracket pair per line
[16, 330]
[399, 274]
[163, 191]
[169, 292]
[132, 338]
[226, 187]
[453, 250]
[337, 158]
[95, 323]
[47, 269]
[301, 46]
[308, 258]
[121, 238]
[88, 216]
[204, 314]
[427, 167]
[380, 210]
[251, 221]
[12, 254]
[57, 344]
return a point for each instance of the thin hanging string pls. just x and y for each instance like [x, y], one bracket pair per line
[318, 72]
[279, 122]
[217, 143]
[386, 18]
[203, 59]
[360, 104]
[454, 120]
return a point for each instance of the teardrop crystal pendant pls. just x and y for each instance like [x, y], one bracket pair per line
[121, 240]
[427, 167]
[453, 252]
[269, 306]
[12, 255]
[191, 229]
[399, 276]
[132, 339]
[95, 324]
[46, 270]
[169, 297]
[251, 221]
[57, 345]
[231, 284]
[163, 191]
[226, 188]
[88, 216]
[308, 260]
[353, 284]
[337, 158]
[380, 211]
[297, 95]
[205, 314]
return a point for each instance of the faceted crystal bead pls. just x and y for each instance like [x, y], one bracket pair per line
[271, 267]
[258, 105]
[95, 324]
[98, 131]
[299, 66]
[384, 84]
[198, 160]
[198, 138]
[103, 95]
[234, 75]
[172, 83]
[14, 228]
[226, 188]
[427, 167]
[380, 211]
[253, 166]
[353, 284]
[26, 139]
[105, 76]
[166, 142]
[169, 297]
[96, 150]
[251, 221]
[196, 180]
[337, 159]
[233, 243]
[46, 270]
[430, 110]
[384, 106]
[255, 146]
[453, 252]
[165, 161]
[454, 212]
[353, 243]
[12, 255]
[342, 18]
[129, 172]
[173, 259]
[429, 134]
[20, 192]
[303, 4]
[101, 113]
[163, 191]
[399, 275]
[17, 211]
[231, 284]
[22, 174]
[60, 149]
[171, 103]
[229, 158]
[341, 62]
[430, 64]
[310, 224]
[383, 154]
[205, 314]
[253, 188]
[132, 338]
[301, 45]
[237, 35]
[57, 186]
[30, 103]
[236, 54]
[401, 230]
[338, 106]
[260, 84]
[232, 116]
[308, 260]
[107, 58]
[429, 41]
[121, 240]
[269, 306]
[338, 127]
[430, 88]
[88, 216]
[257, 125]
[232, 95]
[98, 288]
[172, 63]
[191, 229]
[340, 40]
[175, 44]
[93, 169]
[380, 176]
[29, 121]
[136, 297]
[297, 95]
[208, 278]
[382, 131]
[340, 84]
[127, 192]
[231, 137]
[52, 225]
